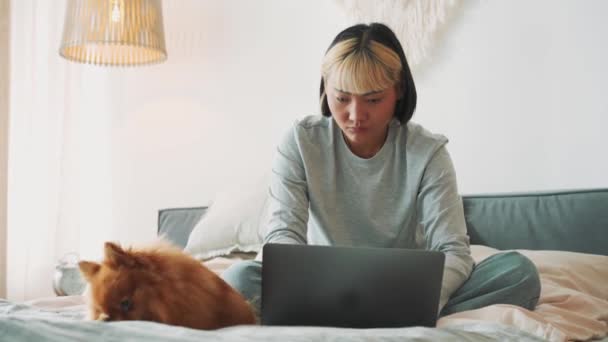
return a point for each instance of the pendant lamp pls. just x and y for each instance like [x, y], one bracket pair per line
[114, 32]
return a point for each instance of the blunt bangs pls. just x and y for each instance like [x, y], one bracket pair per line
[360, 71]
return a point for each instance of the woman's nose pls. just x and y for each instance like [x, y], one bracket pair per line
[357, 111]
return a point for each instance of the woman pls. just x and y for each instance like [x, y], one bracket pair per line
[363, 175]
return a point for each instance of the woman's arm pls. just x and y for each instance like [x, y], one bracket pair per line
[441, 213]
[288, 195]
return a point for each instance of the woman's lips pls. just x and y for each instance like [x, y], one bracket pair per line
[357, 130]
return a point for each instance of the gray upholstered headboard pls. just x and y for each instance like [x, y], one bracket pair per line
[561, 220]
[574, 221]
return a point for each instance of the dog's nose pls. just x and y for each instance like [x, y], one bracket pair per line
[103, 317]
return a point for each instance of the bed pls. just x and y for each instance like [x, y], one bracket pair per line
[565, 233]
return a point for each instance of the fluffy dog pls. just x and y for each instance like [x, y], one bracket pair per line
[162, 284]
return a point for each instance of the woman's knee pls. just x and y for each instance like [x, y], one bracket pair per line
[520, 265]
[524, 276]
[244, 276]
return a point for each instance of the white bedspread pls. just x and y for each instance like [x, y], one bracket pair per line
[61, 319]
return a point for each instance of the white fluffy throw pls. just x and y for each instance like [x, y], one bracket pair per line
[417, 23]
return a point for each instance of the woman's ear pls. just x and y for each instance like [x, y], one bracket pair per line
[399, 90]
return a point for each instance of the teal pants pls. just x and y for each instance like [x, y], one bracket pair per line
[504, 278]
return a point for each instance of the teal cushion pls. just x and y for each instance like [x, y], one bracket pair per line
[176, 224]
[574, 221]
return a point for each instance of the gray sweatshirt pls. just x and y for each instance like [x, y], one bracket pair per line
[405, 196]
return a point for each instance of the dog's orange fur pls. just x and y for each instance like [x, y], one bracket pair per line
[162, 284]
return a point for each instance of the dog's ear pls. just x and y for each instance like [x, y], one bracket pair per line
[89, 269]
[116, 256]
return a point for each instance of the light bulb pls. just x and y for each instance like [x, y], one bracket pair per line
[115, 11]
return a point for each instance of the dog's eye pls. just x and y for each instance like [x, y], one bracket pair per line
[125, 305]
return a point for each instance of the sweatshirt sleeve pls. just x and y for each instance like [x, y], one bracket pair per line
[441, 213]
[288, 196]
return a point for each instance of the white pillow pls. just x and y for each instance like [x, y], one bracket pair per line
[235, 221]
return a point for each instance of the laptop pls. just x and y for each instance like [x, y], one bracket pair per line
[350, 287]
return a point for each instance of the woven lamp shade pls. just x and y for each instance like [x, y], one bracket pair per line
[114, 32]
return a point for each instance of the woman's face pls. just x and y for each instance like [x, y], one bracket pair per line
[363, 118]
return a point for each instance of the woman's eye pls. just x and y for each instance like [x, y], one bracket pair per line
[374, 100]
[341, 99]
[125, 305]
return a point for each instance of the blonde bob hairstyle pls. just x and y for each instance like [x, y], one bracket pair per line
[366, 58]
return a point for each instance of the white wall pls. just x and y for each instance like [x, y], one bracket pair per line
[4, 86]
[518, 88]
